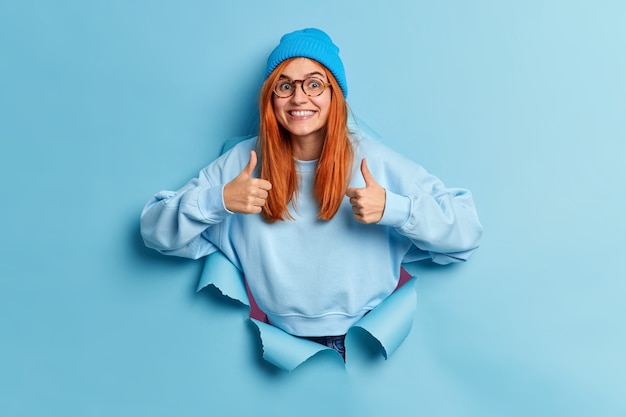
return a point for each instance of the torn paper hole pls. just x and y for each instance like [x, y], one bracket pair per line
[389, 323]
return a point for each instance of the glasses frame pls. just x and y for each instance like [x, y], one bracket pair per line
[293, 84]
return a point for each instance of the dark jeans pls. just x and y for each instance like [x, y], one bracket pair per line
[333, 342]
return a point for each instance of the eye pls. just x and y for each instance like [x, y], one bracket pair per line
[284, 86]
[314, 84]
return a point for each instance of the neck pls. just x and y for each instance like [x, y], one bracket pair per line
[307, 148]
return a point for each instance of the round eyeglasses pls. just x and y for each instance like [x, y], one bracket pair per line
[311, 86]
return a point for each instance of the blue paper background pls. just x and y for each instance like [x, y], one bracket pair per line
[104, 103]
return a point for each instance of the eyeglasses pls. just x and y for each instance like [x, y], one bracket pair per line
[312, 87]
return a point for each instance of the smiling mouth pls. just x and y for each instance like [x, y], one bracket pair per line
[301, 113]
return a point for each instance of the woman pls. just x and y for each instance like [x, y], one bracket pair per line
[317, 218]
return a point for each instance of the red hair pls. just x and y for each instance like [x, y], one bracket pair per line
[333, 170]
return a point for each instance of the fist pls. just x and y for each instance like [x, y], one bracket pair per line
[368, 204]
[246, 194]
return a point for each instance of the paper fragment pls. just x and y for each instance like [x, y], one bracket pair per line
[283, 350]
[391, 321]
[222, 274]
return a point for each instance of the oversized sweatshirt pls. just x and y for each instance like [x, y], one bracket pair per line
[314, 277]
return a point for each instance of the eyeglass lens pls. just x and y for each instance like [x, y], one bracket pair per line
[311, 87]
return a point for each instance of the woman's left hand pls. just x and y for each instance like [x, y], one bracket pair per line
[368, 204]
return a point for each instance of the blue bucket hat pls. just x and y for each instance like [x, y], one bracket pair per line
[309, 43]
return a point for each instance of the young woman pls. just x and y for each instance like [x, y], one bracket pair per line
[318, 218]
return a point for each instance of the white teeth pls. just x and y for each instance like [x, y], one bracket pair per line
[301, 113]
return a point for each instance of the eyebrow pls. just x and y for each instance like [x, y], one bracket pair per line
[310, 74]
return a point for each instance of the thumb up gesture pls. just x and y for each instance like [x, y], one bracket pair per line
[368, 204]
[245, 194]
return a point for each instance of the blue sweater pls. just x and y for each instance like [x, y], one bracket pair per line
[313, 277]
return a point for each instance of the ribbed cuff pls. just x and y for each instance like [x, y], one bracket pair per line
[397, 210]
[211, 204]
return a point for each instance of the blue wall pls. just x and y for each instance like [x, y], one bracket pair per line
[104, 103]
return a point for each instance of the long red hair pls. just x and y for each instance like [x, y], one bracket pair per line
[332, 174]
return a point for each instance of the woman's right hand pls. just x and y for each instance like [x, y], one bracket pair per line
[246, 194]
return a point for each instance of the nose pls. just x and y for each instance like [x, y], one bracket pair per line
[298, 96]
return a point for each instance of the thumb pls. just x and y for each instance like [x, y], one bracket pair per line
[249, 168]
[367, 175]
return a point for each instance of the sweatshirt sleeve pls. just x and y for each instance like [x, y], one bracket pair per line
[441, 222]
[172, 222]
